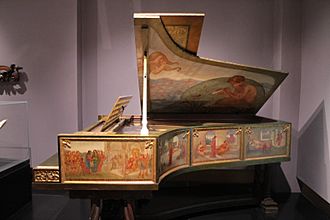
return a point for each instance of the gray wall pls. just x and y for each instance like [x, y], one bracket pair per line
[109, 66]
[40, 35]
[314, 119]
[288, 58]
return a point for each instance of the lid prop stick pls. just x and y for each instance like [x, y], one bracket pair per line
[144, 129]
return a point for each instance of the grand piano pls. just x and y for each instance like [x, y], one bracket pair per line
[199, 115]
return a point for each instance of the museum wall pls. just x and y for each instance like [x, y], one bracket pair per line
[40, 36]
[88, 65]
[287, 57]
[314, 118]
[117, 71]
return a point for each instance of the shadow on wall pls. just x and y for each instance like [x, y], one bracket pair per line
[313, 152]
[13, 87]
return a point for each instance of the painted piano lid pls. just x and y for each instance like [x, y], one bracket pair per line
[180, 82]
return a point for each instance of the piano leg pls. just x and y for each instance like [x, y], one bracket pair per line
[263, 183]
[96, 209]
[128, 211]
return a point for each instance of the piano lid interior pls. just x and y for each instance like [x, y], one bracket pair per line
[181, 82]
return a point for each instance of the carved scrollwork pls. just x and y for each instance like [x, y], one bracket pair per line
[286, 128]
[195, 133]
[149, 144]
[47, 176]
[66, 143]
[186, 134]
[248, 130]
[238, 131]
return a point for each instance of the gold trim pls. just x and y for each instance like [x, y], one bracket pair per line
[195, 133]
[112, 135]
[187, 134]
[248, 130]
[267, 157]
[239, 131]
[149, 144]
[133, 182]
[46, 176]
[66, 143]
[46, 168]
[158, 15]
[215, 162]
[241, 142]
[286, 127]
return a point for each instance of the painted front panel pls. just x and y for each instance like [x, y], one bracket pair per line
[267, 141]
[216, 145]
[107, 159]
[173, 150]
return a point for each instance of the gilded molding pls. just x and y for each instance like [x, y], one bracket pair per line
[149, 144]
[46, 176]
[186, 134]
[195, 133]
[248, 130]
[66, 143]
[238, 131]
[286, 128]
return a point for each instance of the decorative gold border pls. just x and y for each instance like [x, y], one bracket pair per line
[134, 182]
[216, 162]
[95, 138]
[46, 175]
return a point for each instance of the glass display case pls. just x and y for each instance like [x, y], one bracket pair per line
[14, 135]
[15, 170]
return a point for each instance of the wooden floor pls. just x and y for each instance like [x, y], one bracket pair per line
[60, 207]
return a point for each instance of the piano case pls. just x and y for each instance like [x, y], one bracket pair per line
[201, 118]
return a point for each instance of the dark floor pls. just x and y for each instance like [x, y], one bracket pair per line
[59, 206]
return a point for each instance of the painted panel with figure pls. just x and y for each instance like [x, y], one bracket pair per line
[107, 160]
[173, 150]
[180, 83]
[214, 145]
[264, 142]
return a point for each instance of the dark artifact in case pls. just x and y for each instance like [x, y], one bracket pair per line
[201, 116]
[9, 73]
